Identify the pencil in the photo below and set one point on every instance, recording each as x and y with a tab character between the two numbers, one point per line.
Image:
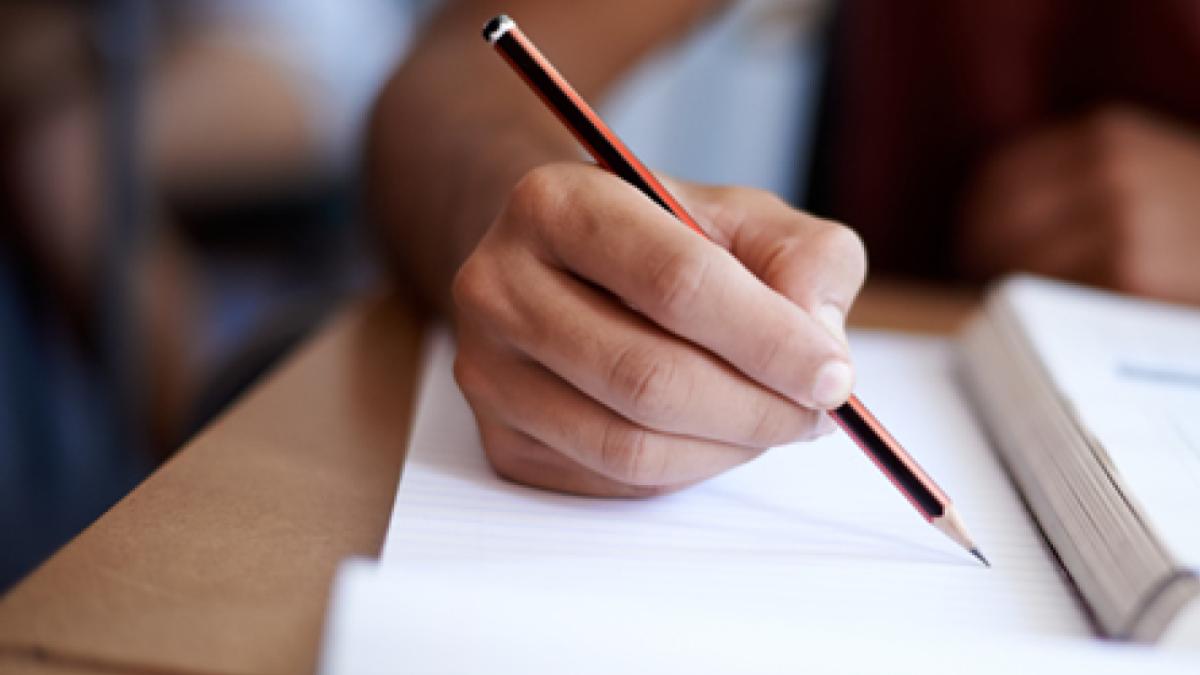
610	153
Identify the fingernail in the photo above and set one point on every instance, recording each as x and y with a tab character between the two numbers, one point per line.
832	385
825	425
831	317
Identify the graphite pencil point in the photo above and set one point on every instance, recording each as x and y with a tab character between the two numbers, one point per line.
975	552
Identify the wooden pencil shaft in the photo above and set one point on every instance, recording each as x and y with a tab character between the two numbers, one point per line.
891	458
601	143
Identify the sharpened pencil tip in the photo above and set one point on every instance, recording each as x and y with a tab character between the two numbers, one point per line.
975	552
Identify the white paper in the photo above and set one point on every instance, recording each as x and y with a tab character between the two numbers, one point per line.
809	535
388	620
1131	371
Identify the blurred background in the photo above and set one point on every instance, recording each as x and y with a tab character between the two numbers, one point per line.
177	207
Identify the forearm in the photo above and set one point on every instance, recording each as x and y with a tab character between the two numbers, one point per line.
258	129
454	130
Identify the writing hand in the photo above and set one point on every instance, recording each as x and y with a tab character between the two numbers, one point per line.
607	350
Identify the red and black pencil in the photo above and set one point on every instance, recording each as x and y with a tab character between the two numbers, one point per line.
610	153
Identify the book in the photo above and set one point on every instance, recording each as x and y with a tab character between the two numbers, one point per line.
796	556
1093	402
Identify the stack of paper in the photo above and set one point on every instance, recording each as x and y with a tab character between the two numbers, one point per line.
804	557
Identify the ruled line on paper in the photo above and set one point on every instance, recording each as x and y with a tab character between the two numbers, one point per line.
811	526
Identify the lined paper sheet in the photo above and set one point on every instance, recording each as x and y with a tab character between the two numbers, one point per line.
431	621
809	535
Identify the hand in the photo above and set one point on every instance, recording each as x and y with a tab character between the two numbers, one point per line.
1112	200
608	350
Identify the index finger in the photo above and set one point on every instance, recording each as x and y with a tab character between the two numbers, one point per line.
816	263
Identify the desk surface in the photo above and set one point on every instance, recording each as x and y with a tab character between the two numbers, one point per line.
221	561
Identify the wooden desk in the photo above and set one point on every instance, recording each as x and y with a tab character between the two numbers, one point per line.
221	561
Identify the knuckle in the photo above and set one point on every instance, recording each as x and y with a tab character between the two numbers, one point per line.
646	381
767	350
513	455
767	428
829	253
626	455
838	242
506	460
847	242
780	263
492	435
773	426
677	283
470	377
538	195
472	288
479	294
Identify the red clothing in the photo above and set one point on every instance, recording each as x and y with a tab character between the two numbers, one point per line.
922	90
